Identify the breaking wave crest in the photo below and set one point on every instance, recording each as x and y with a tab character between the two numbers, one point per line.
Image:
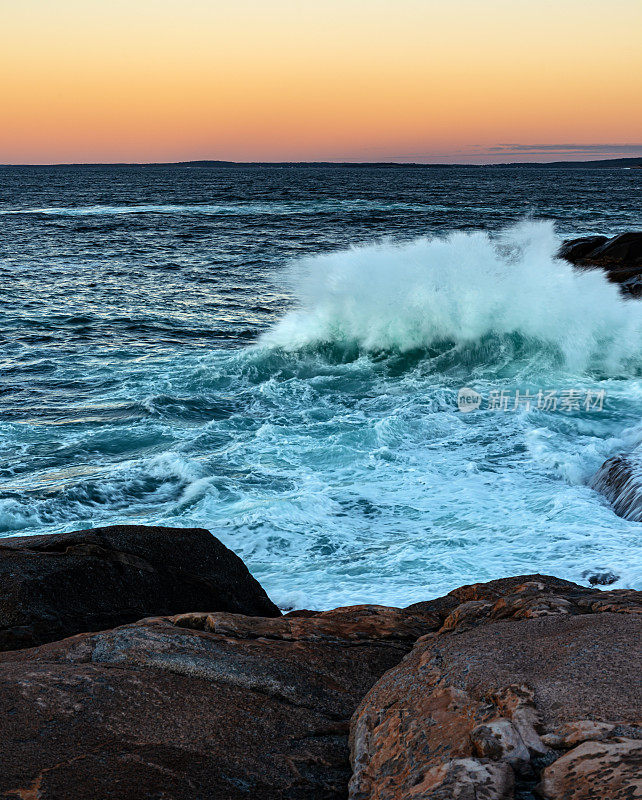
465	288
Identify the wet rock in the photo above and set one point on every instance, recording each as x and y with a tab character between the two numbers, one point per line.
600	578
519	672
199	706
619	479
620	257
632	286
619	253
55	586
574	250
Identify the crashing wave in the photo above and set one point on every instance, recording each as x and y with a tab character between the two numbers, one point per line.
462	288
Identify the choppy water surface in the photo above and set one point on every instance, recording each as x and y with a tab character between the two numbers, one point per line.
275	353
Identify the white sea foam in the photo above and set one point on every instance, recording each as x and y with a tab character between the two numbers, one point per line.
460	288
271	208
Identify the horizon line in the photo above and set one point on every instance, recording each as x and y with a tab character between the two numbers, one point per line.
343	162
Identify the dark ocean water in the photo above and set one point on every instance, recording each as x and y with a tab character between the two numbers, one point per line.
176	348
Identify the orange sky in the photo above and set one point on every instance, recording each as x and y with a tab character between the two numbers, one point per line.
367	80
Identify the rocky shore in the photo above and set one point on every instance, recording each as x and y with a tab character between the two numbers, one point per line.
179	679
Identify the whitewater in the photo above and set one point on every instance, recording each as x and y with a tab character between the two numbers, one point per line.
315	428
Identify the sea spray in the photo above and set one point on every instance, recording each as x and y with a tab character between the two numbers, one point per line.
460	288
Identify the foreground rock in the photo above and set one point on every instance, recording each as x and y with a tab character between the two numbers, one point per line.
525	688
55	586
620	257
217	706
515	684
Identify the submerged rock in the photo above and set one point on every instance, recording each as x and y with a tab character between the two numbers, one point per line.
55	586
600	578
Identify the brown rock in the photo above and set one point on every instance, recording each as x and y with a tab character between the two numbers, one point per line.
466	779
355	623
56	586
506	680
510	681
196	706
494	590
582	730
596	771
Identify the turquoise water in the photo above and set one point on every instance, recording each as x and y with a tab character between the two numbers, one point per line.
276	355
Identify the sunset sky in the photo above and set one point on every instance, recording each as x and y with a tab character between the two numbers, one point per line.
358	80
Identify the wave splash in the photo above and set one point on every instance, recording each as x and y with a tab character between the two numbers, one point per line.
462	289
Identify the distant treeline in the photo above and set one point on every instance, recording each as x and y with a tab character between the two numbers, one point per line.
604	163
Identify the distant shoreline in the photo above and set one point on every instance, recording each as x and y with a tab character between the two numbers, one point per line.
604	163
